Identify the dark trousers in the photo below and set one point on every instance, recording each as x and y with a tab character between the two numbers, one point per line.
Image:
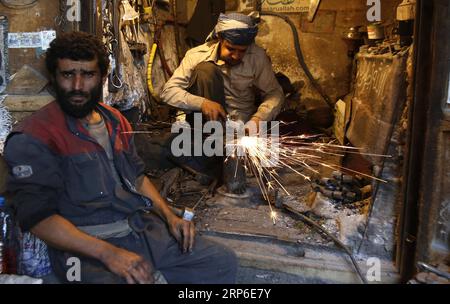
208	263
206	81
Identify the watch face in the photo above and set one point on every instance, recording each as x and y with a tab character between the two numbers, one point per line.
188	214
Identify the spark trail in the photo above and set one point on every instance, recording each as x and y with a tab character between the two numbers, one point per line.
264	158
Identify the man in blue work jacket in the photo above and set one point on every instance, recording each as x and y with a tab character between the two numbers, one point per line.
79	185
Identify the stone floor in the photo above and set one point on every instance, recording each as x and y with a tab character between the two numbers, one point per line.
285	250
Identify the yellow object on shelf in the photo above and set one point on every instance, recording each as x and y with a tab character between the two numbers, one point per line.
149	69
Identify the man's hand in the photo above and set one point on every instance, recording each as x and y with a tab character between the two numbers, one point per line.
58	232
183	231
128	265
213	110
252	126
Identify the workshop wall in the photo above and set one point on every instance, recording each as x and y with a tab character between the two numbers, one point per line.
39	17
323	48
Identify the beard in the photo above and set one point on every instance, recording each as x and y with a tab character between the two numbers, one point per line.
78	110
230	61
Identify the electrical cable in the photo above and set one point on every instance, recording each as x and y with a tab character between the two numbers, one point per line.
162	57
149	70
300	57
163	60
339	243
176	29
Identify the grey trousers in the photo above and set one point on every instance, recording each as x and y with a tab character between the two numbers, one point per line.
206	81
208	263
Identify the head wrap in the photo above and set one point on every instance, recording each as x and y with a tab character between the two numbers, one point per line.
236	28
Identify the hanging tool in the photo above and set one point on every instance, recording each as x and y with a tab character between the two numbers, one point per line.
115	82
130	24
147	11
313	8
130	17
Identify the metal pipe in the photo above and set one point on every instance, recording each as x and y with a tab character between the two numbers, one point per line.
339	243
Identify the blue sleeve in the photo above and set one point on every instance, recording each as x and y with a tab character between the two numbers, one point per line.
140	166
34	179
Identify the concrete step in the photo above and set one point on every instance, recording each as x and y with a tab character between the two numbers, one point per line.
266	260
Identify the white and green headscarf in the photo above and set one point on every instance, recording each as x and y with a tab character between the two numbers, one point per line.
236	28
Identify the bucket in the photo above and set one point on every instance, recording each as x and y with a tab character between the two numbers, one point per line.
375	31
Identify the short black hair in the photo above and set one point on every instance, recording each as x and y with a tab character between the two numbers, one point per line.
77	46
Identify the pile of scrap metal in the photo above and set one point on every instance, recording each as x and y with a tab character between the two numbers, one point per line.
184	189
343	189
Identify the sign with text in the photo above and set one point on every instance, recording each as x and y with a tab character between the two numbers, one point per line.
31	40
286	6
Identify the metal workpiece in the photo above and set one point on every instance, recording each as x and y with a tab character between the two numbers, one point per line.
425	267
234	175
342	187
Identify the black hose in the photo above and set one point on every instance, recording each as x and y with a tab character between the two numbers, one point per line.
300	58
339	243
176	30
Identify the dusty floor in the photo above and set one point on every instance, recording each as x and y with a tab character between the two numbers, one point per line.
231	217
251	215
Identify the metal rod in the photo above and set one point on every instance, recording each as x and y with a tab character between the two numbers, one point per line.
339	243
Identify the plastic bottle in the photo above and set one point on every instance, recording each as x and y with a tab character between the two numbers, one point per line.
8	241
34	260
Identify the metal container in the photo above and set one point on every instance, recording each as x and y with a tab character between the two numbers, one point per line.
375	31
353	33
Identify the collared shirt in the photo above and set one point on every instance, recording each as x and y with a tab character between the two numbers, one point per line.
240	81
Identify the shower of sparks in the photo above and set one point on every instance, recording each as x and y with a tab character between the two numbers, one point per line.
264	158
273	216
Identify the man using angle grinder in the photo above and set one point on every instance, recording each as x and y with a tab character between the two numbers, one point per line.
222	78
